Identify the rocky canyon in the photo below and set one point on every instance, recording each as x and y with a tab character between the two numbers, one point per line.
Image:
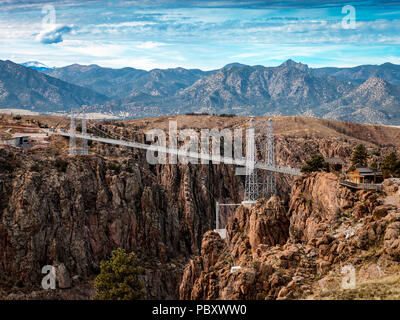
71	211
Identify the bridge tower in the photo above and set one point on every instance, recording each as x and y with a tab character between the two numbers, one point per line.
264	185
72	140
84	132
270	160
251	184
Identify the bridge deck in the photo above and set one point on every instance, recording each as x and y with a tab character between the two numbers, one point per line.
361	186
204	156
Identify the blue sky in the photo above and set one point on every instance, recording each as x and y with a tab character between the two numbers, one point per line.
198	34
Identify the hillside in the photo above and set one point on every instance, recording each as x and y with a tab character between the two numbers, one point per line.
374	101
388	71
25	88
306	250
120	83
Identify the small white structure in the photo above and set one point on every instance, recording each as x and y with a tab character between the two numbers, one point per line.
235	269
221	232
20	142
248	203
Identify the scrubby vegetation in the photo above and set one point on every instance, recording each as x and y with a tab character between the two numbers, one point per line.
61	165
360	156
316	163
391	165
119	278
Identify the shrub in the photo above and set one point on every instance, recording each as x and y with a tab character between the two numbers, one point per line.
374	166
391	165
114	167
316	163
119	278
227	115
61	165
197	114
360	156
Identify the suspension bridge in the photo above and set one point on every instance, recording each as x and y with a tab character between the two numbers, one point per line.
254	188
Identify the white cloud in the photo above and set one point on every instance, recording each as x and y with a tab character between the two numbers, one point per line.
150	45
246	55
93	49
54	34
125	24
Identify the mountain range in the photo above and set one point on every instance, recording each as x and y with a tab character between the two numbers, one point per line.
367	93
24	88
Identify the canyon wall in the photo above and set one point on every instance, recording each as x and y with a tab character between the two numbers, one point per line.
296	253
77	214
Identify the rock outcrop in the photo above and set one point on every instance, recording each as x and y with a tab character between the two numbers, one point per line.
297	252
72	216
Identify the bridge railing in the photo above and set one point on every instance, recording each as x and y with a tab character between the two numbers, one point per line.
212	157
361	186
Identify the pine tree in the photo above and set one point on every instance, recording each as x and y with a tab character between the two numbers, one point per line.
374	166
119	278
391	165
316	163
360	156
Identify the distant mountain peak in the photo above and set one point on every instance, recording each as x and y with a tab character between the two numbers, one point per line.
294	64
234	64
36	65
387	64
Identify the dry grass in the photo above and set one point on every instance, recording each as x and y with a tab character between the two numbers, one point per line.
384	285
385	288
286	126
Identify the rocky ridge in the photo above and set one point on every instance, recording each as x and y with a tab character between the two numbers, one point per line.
299	253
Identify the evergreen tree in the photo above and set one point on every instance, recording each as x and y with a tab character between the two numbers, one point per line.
391	165
360	156
119	278
374	166
316	163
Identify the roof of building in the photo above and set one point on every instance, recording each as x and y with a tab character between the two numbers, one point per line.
367	171
364	170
